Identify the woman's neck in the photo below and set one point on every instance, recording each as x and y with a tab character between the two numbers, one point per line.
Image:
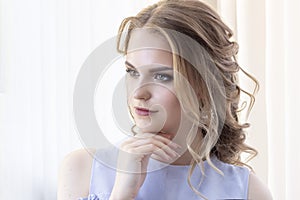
184	159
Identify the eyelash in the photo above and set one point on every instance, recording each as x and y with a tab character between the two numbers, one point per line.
131	71
164	77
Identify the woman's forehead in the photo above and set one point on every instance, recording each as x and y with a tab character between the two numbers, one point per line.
149	57
153	67
144	38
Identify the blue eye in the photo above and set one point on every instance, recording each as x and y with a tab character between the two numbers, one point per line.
163	77
132	72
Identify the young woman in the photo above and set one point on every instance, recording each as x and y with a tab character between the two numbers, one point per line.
183	95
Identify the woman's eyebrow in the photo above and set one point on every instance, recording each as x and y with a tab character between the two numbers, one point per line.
162	68
129	64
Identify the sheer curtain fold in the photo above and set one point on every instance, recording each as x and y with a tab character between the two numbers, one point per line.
276	108
268	33
249	32
43	44
283	31
292	96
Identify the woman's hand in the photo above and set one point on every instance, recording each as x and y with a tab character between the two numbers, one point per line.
133	160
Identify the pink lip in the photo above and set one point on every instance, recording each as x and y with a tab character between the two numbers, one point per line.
143	111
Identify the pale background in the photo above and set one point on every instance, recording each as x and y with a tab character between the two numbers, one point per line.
43	44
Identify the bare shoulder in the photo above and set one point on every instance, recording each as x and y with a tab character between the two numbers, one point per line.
74	174
257	189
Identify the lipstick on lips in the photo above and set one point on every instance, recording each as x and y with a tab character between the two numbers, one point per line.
143	111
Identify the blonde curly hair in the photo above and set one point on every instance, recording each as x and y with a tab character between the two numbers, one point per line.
203	54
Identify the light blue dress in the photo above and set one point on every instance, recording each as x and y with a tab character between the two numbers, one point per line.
169	182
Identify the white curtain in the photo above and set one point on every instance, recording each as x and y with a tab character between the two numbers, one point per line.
268	33
282	69
43	44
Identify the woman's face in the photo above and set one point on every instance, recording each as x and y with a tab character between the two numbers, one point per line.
150	92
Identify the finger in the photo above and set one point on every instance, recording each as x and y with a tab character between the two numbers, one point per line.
165	135
160	138
162	159
152	149
150	135
160	145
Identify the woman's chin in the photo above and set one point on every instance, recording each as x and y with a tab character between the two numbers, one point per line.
157	131
148	129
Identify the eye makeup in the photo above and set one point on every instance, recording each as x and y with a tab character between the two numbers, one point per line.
155	72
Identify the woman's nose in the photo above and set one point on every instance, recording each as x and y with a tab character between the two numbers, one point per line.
142	93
